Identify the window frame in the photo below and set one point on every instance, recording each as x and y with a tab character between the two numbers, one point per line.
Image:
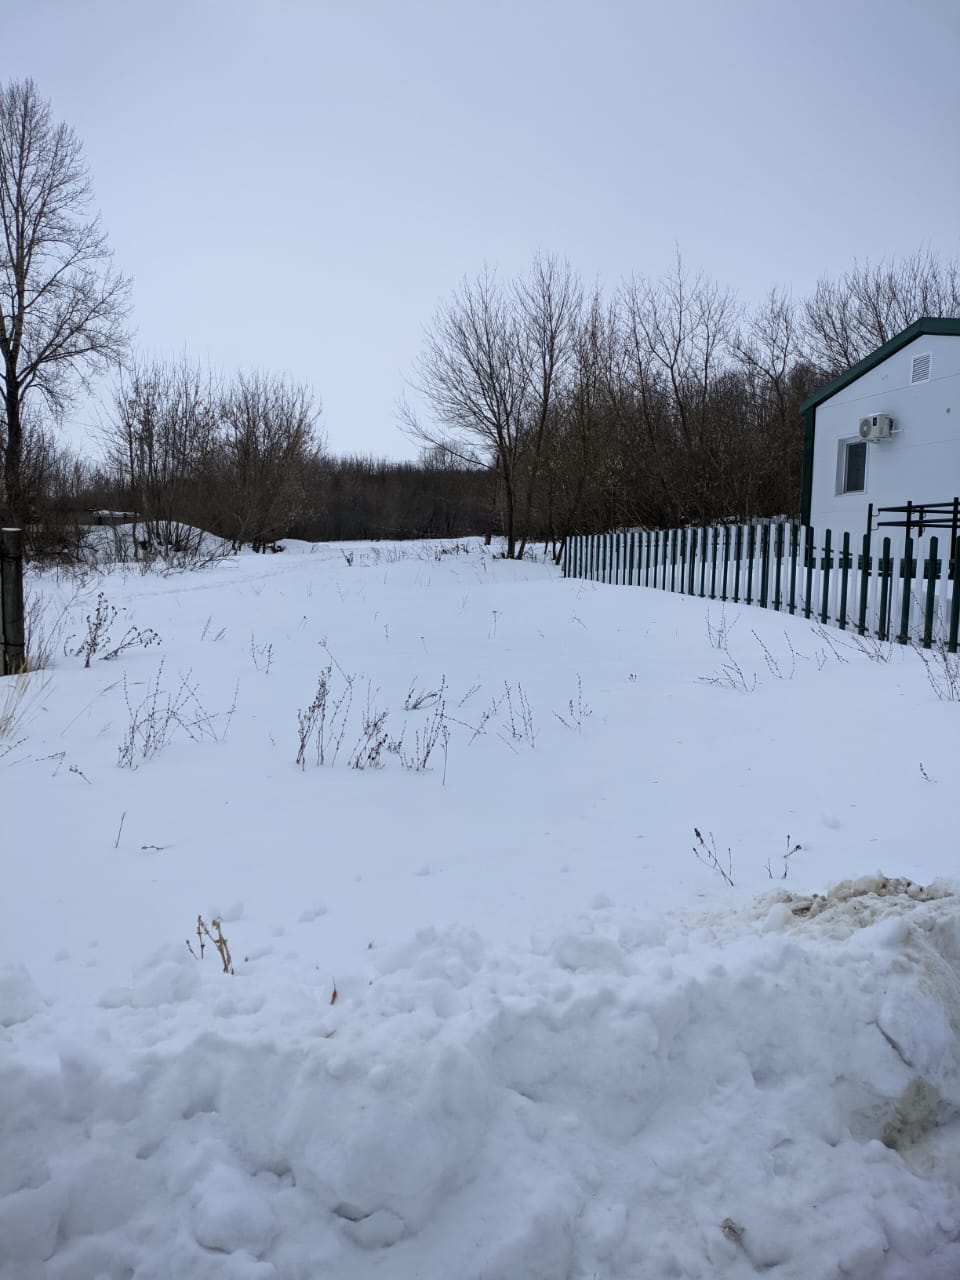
843	466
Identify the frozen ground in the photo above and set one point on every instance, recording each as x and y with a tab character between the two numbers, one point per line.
491	1018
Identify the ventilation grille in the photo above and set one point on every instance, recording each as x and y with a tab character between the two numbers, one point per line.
921	368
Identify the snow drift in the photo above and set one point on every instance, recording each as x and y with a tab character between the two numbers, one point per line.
773	1089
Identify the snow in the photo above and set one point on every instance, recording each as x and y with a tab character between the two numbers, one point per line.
492	1018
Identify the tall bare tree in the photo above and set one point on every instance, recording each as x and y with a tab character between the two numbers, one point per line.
491	370
473	373
62	308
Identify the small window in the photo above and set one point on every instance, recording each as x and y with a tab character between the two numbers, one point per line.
920	370
852	466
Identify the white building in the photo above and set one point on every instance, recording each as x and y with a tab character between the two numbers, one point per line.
885	433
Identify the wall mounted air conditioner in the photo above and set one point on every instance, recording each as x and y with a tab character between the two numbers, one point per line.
877	427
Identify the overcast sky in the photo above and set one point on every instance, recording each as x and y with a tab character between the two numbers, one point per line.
293	185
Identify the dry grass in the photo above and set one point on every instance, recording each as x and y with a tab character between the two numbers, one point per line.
19	696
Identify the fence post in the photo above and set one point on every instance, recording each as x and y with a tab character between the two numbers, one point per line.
886	574
931	572
764	564
845	563
906	573
705	534
954	577
778	566
751	558
827	564
809	555
794	553
13	652
865	567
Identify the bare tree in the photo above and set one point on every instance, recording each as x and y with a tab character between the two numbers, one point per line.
160	446
490	371
473	373
848	318
549	302
62	308
269	436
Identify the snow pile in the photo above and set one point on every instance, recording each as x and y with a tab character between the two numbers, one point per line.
772	1088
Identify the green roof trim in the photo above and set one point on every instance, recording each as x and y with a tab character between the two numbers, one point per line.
925	325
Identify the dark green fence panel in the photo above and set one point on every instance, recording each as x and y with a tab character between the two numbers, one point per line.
748	564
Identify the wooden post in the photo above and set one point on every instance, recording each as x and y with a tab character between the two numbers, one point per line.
13	653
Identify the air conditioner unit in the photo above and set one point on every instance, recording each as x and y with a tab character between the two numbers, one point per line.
877	427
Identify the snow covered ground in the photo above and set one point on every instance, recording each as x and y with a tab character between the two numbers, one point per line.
491	1016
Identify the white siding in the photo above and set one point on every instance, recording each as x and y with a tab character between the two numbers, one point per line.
921	463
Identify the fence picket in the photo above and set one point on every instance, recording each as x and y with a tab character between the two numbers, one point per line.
764	565
931	575
794	553
751	557
844	581
865	567
907	569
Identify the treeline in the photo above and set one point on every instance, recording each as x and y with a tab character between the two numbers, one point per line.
665	405
550	410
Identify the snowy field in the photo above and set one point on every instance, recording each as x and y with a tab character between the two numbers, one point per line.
497	1013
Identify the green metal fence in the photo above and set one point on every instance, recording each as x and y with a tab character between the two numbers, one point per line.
901	589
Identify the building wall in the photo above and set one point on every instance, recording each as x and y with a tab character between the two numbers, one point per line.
920	463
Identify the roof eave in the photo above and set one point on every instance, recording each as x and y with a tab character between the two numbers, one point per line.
925	325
